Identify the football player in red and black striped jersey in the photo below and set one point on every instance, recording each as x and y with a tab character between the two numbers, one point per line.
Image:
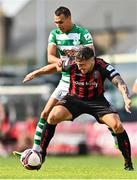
86	95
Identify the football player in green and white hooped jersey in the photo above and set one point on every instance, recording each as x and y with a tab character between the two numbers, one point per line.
67	43
65	40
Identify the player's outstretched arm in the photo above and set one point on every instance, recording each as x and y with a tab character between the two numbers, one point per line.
121	85
49	69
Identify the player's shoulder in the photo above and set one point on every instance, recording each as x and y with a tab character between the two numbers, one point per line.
55	31
81	29
101	62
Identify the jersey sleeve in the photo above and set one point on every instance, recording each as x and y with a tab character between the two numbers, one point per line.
86	37
111	72
52	38
108	70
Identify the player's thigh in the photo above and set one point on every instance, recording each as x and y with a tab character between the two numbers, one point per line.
58	114
113	121
48	107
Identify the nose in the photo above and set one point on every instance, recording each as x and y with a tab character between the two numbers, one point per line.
59	25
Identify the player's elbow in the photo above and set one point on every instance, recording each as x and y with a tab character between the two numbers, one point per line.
50	61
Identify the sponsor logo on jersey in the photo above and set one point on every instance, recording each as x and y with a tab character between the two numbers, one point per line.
86	83
88	36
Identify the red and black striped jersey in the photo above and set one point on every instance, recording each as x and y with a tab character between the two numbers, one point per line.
90	85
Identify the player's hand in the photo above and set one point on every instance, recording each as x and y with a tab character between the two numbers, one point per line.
59	63
29	77
128	104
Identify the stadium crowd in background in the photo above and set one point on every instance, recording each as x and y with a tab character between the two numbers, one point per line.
4	130
86	95
12	135
23	140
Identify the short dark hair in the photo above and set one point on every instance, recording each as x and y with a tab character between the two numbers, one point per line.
85	53
62	10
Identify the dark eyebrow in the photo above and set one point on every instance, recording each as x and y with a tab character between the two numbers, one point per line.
58	22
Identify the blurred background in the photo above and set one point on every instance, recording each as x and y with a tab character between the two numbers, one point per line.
24	30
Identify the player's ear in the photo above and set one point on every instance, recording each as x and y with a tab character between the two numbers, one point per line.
69	18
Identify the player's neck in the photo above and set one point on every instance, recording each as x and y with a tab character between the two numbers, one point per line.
70	27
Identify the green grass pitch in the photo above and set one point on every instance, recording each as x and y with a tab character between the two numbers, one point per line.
70	167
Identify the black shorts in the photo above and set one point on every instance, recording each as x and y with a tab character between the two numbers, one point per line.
97	107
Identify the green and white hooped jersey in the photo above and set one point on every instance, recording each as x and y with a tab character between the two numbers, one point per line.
71	41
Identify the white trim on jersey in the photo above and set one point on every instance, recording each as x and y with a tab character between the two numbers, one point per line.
91	44
52	43
76	48
70	36
113	73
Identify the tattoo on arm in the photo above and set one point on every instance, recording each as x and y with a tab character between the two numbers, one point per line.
121	85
